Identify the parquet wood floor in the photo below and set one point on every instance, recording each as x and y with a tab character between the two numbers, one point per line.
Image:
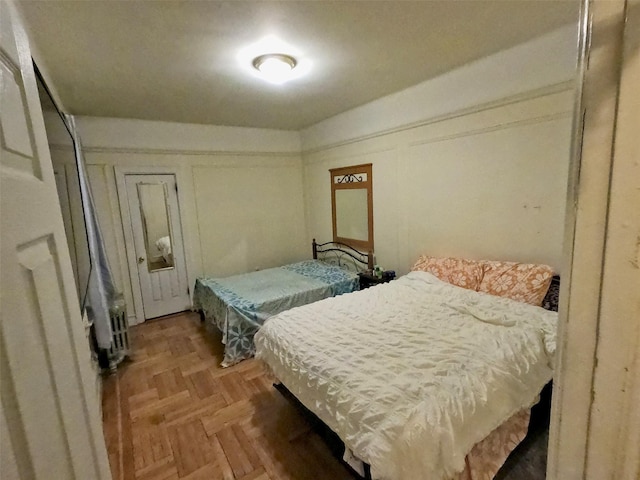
172	412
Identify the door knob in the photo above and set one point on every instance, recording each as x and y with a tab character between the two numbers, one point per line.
140	259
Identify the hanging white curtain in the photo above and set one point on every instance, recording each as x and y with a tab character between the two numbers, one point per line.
101	291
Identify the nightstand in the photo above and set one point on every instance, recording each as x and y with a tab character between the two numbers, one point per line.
367	279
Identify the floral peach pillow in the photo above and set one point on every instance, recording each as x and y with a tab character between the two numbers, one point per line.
457	271
526	283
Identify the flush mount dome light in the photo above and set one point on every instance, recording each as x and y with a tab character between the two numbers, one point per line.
275	67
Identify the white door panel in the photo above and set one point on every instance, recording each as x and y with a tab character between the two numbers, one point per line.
50	414
163	285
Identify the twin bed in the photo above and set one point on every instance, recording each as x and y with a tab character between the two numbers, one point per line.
421	378
240	304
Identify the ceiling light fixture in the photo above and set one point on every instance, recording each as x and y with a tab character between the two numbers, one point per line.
275	67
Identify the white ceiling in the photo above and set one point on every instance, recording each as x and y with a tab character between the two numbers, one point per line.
177	60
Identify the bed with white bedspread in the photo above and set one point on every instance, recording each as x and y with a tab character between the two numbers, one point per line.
412	374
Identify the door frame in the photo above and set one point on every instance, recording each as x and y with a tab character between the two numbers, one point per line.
595	415
125	216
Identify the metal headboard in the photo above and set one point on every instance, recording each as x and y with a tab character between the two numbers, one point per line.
342	255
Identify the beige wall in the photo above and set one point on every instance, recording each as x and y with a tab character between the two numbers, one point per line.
481	179
481	174
241	188
250	216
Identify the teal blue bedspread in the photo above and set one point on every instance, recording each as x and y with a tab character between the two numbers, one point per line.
240	304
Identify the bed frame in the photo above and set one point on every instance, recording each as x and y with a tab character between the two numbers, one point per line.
240	315
342	255
339	254
540	412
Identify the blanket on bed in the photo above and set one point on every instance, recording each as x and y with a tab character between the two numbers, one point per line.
239	304
411	374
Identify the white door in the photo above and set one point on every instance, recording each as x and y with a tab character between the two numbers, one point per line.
158	243
50	425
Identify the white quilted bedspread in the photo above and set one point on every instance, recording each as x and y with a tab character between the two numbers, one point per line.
411	374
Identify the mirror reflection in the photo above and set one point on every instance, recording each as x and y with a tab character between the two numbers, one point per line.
155	225
351	214
352	206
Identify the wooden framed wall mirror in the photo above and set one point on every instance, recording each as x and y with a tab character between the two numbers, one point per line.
352	206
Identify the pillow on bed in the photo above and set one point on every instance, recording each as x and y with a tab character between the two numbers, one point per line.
457	271
524	282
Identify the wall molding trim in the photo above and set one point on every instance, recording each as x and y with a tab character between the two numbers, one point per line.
186	152
354	159
494	128
482	107
548	90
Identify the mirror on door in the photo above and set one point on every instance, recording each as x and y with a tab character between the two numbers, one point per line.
154	212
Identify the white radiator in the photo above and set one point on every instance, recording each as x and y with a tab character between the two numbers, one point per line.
120	345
